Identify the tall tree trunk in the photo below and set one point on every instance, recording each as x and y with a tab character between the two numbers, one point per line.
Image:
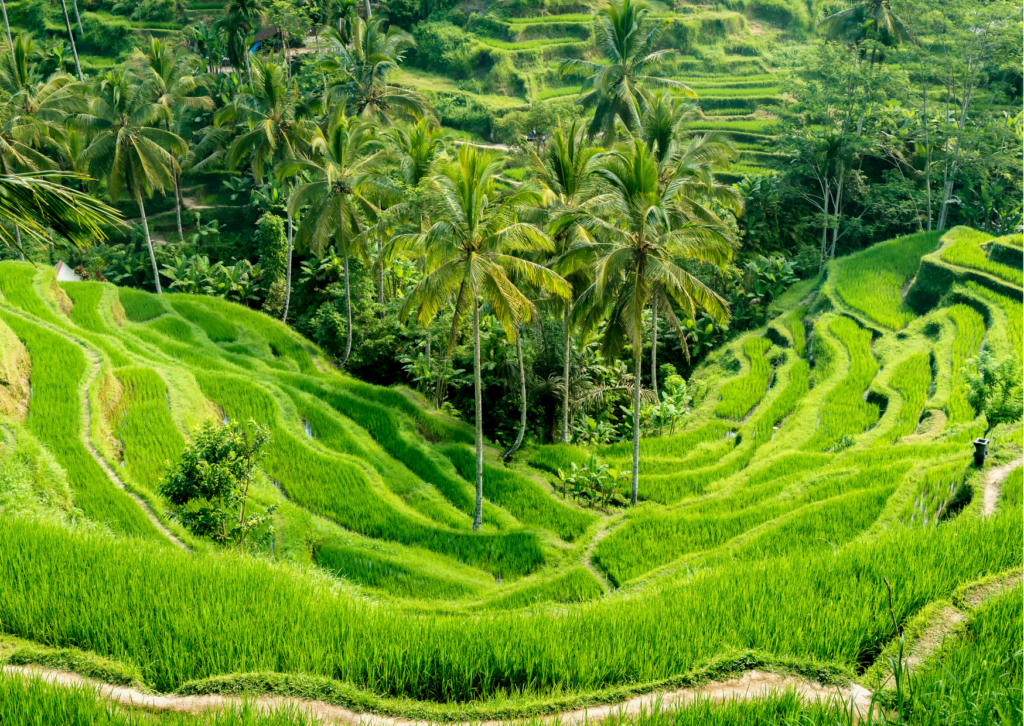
522	397
17	238
380	275
288	274
149	240
837	206
927	144
348	312
654	344
177	205
74	51
78	19
7	25
824	229
565	375
636	423
478	514
366	3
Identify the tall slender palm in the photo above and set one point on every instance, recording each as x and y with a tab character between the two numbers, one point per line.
240	18
415	149
471	257
29	96
365	66
346	161
871	18
71	38
173	82
618	89
688	163
127	149
641	253
274	128
7	25
566	170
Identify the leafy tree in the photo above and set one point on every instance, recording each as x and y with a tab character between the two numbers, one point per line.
470	251
364	67
209	485
273	249
618	89
567	171
126	148
995	388
345	164
870	19
641	255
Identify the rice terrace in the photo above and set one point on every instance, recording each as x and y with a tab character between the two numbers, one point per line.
511	361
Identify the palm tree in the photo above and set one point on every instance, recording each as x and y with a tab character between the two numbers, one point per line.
641	254
566	171
470	252
172	79
274	128
126	148
871	18
7	26
346	159
30	97
71	37
365	65
689	165
36	201
618	89
239	19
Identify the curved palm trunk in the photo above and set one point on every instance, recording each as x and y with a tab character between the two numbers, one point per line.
7	25
565	377
74	51
636	425
78	18
380	276
367	4
288	274
149	240
654	361
177	206
522	399
478	514
348	313
17	238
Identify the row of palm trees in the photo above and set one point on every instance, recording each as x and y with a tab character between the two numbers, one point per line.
603	234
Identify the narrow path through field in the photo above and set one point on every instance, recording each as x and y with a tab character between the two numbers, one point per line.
114	479
749	686
994	479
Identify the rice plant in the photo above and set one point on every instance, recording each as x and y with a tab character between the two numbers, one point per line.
1013	309
140	306
912	378
742	394
216	328
384	573
970	332
173	327
845	411
55	418
574	586
965	251
872	282
940	490
794	321
147	436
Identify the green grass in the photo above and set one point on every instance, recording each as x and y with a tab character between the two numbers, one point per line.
140	306
1012	308
932	495
575	586
965	251
970	331
794	321
872	281
845	412
1012	492
742	394
381	572
216	328
173	327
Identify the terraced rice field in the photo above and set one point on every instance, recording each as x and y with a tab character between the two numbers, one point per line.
769	521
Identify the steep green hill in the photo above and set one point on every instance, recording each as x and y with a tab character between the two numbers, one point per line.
826	454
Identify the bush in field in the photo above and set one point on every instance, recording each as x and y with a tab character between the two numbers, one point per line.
273	260
210	484
994	388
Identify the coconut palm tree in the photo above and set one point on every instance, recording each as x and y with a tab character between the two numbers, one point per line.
275	127
869	19
641	252
365	65
174	82
28	96
38	202
127	148
346	160
688	163
566	170
618	89
471	253
7	26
